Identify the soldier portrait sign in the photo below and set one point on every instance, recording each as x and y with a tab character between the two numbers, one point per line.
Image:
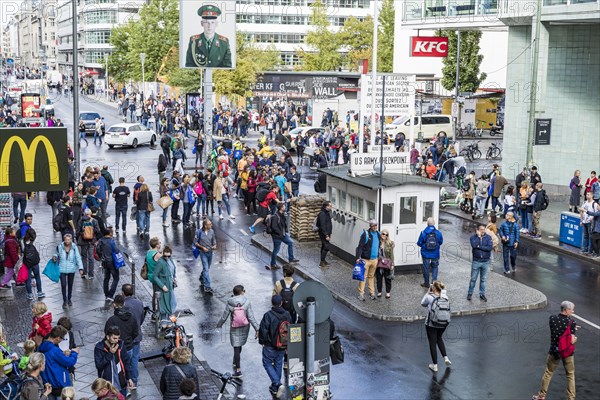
207	34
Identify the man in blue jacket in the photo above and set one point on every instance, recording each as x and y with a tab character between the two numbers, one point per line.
430	242
368	251
481	245
509	234
112	360
57	362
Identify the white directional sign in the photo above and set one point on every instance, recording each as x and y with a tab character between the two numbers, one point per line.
399	93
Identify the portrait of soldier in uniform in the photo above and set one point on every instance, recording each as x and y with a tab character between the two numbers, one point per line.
208	49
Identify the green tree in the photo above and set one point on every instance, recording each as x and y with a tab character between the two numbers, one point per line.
470	76
118	62
322	44
385	37
357	39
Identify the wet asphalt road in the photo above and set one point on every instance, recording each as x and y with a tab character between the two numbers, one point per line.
499	356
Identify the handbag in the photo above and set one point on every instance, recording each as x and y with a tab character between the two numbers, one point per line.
52	271
133	214
150	207
195	249
23	274
336	351
117	257
358	273
383	262
165	202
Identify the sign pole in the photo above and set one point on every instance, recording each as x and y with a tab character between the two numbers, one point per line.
76	148
535	58
374	71
310	346
208	107
362	113
381	142
457	84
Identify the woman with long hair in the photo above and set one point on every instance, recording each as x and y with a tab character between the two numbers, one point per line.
386	251
435	331
144	199
252	184
69	260
163	191
105	390
34	388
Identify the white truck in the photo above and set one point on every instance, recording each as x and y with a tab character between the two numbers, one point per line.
54	79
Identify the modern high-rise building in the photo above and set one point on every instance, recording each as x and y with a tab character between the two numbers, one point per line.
96	19
285	23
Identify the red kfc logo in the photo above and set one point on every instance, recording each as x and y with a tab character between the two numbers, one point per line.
425	46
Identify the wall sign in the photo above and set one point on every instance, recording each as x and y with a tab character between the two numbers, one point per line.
543	127
427	46
399	93
393	162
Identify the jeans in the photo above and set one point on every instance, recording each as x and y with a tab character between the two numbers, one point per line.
495	203
524	219
97	136
277	245
187	212
227	206
22	202
121	212
206	259
201	204
480	205
506	251
586	242
110	271
35	270
164	214
175	210
435	338
82	137
143	220
430	265
272	360
333	155
477	268
66	285
551	364
87	258
134	355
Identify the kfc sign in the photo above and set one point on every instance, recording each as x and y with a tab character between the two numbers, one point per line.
425	46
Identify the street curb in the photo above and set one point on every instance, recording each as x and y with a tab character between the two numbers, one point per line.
383	317
528	240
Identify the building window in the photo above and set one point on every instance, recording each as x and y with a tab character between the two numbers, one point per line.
427	210
333	196
370	210
356	206
387	215
408	210
97	37
342	201
100	17
95	57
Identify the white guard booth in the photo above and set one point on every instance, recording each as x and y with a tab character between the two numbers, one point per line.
401	202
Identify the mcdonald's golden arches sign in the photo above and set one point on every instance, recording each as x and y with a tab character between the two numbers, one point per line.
33	159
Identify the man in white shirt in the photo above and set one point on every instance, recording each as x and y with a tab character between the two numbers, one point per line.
586	223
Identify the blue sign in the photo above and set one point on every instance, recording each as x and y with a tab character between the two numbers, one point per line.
10	61
570	230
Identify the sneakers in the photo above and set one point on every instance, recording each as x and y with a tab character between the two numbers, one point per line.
221	216
90	277
425	285
373	297
30	296
251	229
84	276
323	264
208	290
379	294
361	297
538	397
70	303
41	294
64	306
447	361
166	224
237	374
387	295
117	231
433	367
280	391
294	261
231	216
109	299
482	297
469	296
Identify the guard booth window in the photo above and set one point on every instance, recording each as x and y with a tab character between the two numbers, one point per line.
333	196
387	214
370	210
427	210
408	210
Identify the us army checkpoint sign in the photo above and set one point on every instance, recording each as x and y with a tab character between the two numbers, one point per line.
33	159
207	34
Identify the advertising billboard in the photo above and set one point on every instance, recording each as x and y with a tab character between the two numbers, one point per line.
207	34
29	103
428	46
33	159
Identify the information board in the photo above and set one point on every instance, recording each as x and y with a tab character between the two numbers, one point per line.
399	94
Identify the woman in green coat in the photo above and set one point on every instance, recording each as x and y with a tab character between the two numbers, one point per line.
164	279
383	274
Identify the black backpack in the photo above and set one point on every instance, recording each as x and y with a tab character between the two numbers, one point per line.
431	241
261	195
269	224
58	222
545	200
287	294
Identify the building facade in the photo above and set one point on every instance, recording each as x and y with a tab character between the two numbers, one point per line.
285	23
566	83
96	19
32	34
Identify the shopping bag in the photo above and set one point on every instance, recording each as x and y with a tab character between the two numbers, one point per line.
23	274
133	215
195	251
358	273
117	257
52	271
165	202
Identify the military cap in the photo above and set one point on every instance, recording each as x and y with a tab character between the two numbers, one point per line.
209	12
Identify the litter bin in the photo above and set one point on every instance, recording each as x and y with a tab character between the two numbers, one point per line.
570	229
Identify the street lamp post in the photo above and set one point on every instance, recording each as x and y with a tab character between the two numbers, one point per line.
106	75
143	60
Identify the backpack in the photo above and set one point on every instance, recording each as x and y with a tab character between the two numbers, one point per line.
31	257
572	185
238	317
545	200
268	224
58	222
198	188
12	387
282	335
439	315
87	230
144	271
431	241
287	294
315	224
224	168
98	254
566	348
262	195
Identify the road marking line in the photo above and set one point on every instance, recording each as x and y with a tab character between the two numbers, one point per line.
586	321
243	232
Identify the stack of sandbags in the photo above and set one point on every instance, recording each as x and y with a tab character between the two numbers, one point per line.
303	210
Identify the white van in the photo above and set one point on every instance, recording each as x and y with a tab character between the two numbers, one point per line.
430	125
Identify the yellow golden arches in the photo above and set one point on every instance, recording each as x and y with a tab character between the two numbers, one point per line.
28	154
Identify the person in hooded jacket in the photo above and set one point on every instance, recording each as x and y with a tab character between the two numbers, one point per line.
136	306
430	252
325	229
435	332
174	373
238	334
31	260
272	356
58	363
125	321
86	246
112	360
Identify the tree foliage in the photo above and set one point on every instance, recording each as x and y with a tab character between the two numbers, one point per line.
470	76
357	39
118	61
322	43
385	38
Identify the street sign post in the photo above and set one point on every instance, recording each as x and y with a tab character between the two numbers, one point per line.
543	128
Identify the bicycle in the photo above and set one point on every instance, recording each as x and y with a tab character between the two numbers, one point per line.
226	378
471	152
175	335
493	152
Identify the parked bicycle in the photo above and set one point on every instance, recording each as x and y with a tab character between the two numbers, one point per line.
471	152
493	152
225	378
175	335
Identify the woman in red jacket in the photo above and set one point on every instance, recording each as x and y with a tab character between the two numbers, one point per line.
11	256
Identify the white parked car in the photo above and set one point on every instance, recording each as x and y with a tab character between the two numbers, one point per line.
305	131
129	135
430	125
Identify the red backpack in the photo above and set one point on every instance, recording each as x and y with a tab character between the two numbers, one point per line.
283	334
566	348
